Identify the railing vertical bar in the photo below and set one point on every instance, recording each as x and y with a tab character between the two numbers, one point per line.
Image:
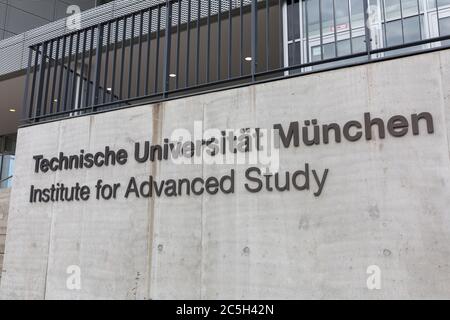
321	28
75	68
208	43
197	58
47	81
230	37
254	38
188	43
167	50
267	34
241	46
33	86
61	75
141	31
105	76
98	65
88	80
122	63
291	32
55	75
420	20
114	64
350	25
335	29
149	47
130	66
158	44
178	45
308	58
219	39
280	33
83	58
402	21
41	80
25	105
69	63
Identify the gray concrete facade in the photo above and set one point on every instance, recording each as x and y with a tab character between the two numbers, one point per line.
386	202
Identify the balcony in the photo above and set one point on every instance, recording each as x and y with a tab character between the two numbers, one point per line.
184	47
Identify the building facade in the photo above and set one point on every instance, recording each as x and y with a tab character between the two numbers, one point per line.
19	16
245	149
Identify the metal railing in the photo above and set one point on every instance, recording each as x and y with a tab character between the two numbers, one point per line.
182	47
4	184
6	179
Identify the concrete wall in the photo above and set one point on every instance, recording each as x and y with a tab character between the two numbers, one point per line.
4	207
386	202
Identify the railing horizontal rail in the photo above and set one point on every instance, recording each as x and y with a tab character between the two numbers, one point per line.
183	47
6	179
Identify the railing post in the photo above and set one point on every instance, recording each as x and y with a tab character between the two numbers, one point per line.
254	21
368	35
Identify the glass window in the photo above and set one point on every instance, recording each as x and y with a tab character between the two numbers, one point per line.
444	25
293	19
294	53
344	47
342	13
316	53
6	170
392	9
404	22
8	144
443	3
394	34
7	150
432	3
357	9
359	44
409	7
411	29
329	51
327	16
313	18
